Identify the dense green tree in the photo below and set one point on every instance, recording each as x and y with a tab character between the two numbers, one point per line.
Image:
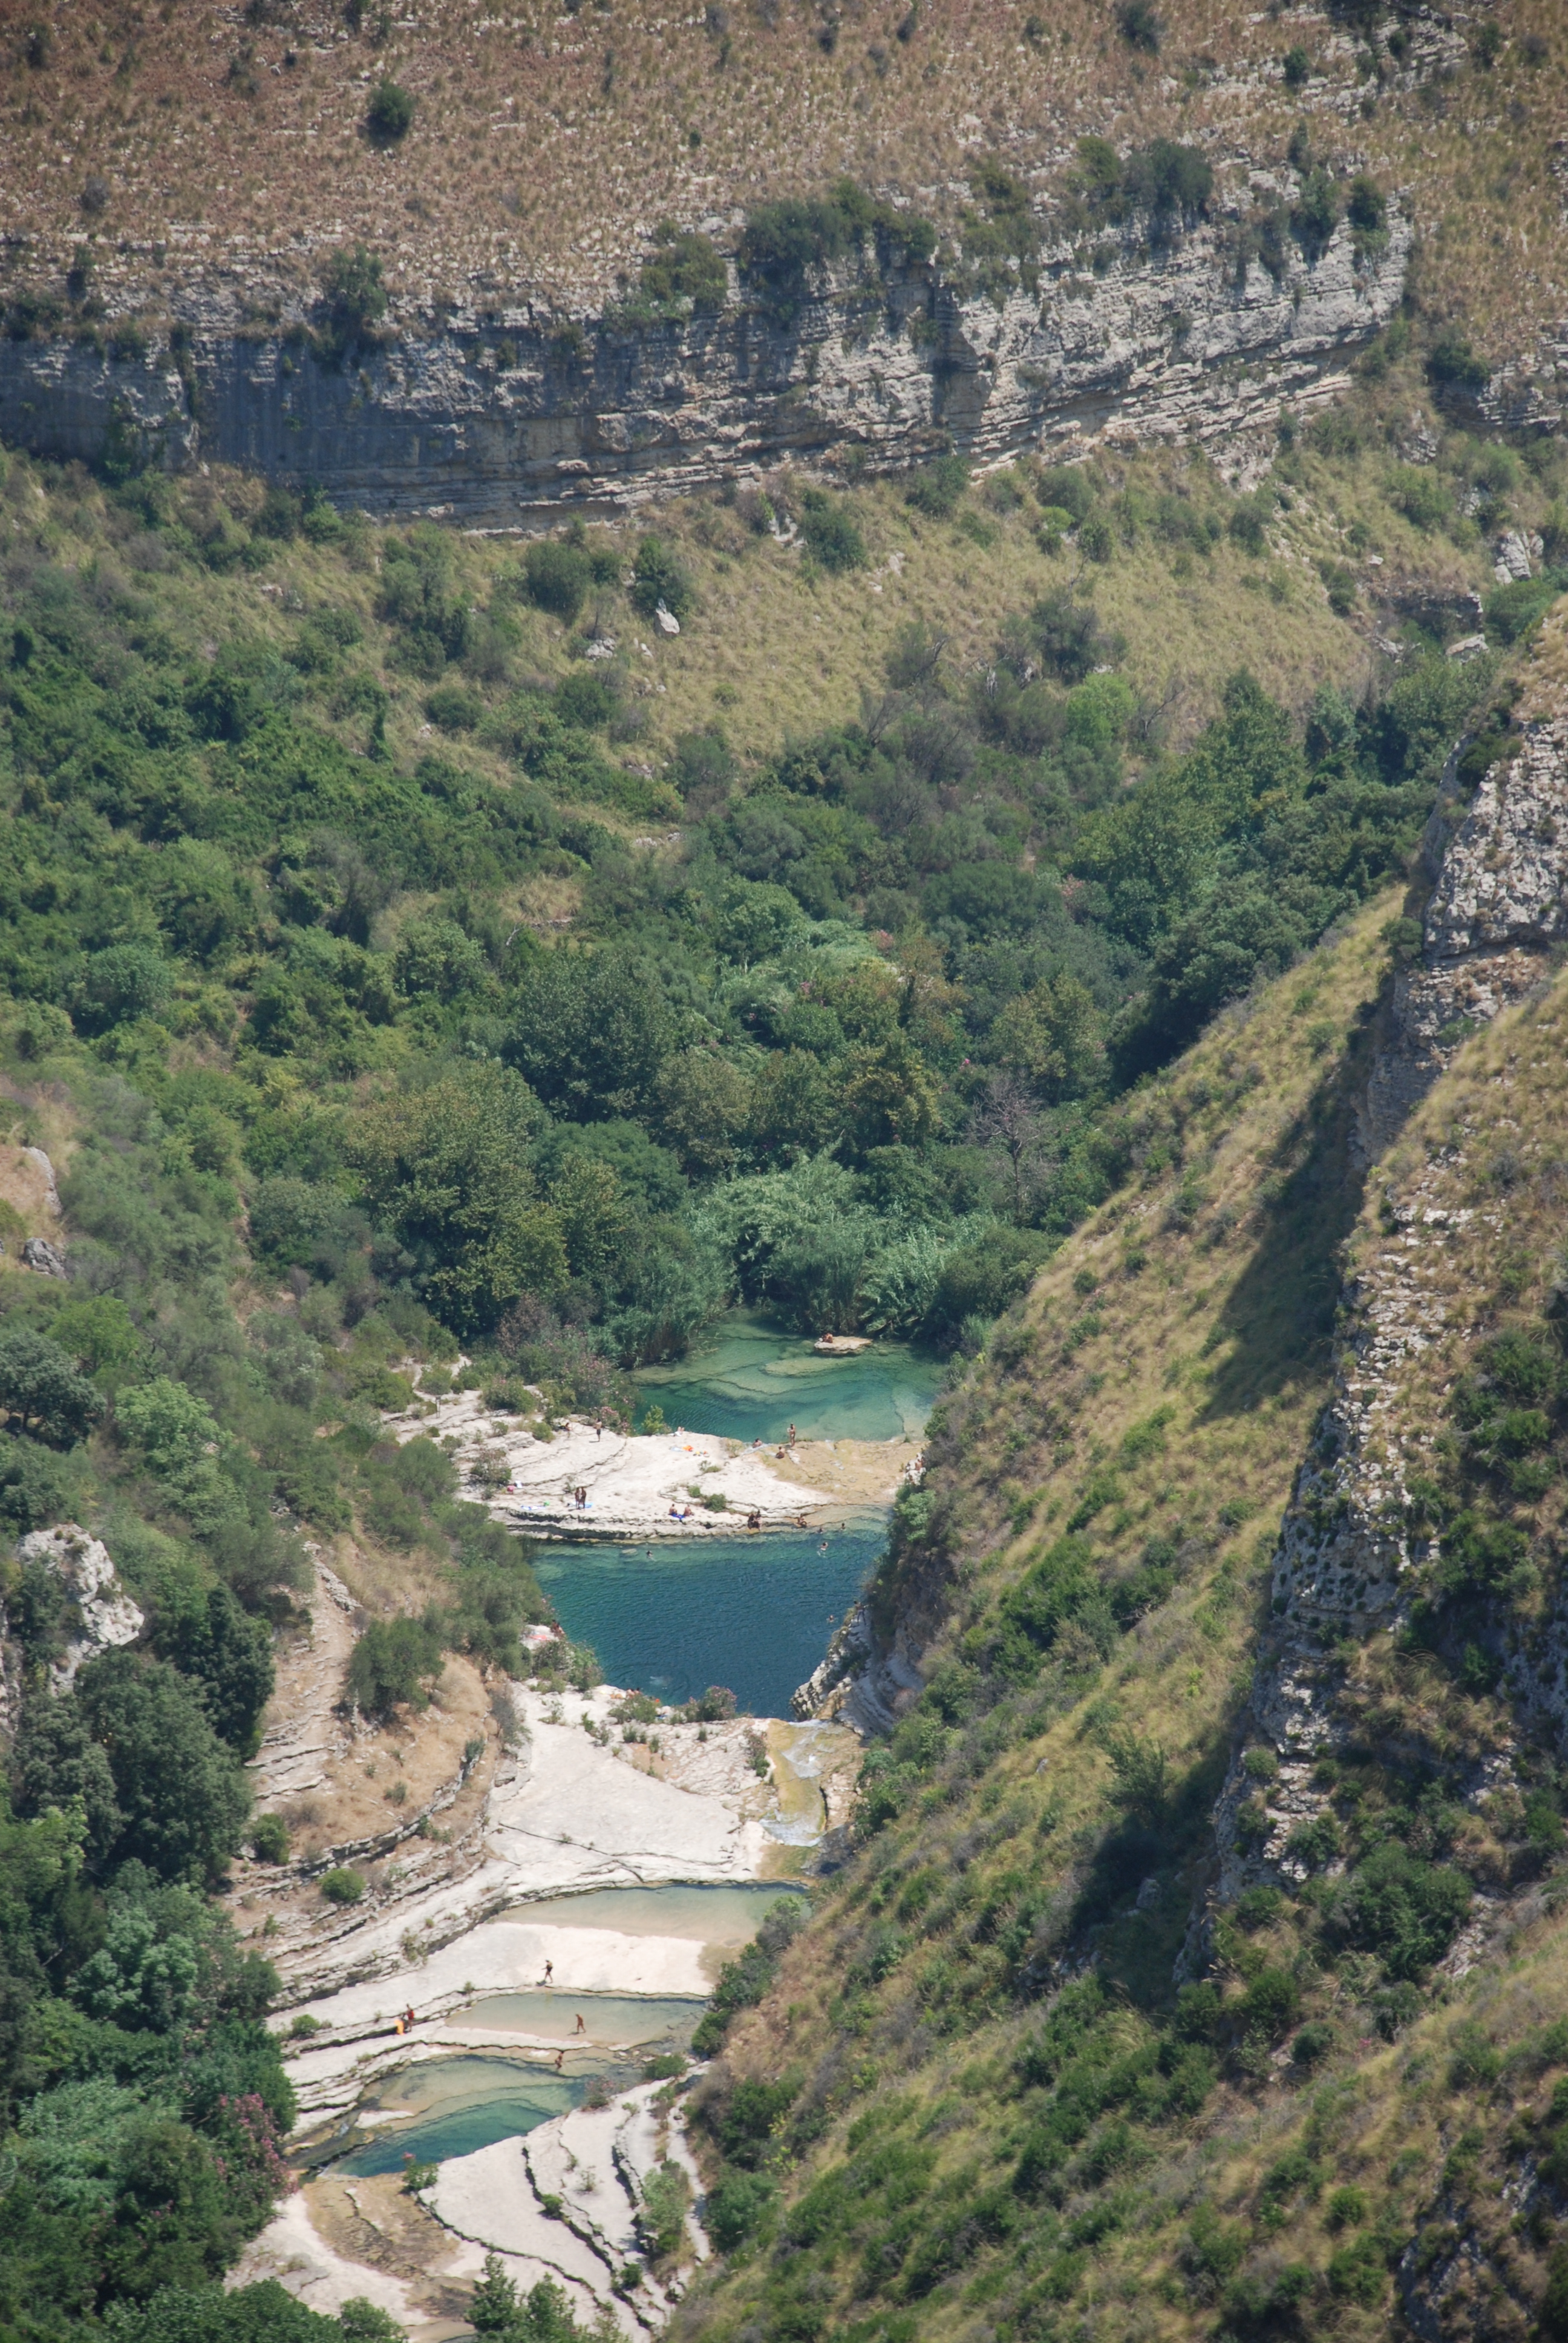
181	1789
394	1663
42	1391
593	1033
57	1766
445	1165
230	1657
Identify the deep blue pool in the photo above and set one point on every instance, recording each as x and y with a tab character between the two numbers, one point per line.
752	1612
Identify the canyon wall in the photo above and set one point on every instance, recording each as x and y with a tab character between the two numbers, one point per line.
504	418
1353	1554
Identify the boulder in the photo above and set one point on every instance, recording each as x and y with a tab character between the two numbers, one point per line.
1511	564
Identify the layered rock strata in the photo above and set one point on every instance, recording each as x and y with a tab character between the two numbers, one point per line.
496	418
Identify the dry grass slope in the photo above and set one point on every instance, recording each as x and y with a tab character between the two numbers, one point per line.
1161	1381
199	140
1164	1378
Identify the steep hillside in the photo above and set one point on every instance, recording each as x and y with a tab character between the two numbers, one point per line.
1197	1957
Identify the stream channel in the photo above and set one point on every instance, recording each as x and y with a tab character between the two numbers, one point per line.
752	1614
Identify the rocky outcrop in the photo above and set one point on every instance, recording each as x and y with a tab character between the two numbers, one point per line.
106	1615
848	1650
501	417
1345	1553
861	1683
1500	904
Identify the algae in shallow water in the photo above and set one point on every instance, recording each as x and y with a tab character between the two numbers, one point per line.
750	1379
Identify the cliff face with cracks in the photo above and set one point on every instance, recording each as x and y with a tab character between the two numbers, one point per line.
1500	902
499	418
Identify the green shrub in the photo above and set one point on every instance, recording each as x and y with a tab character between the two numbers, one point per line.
685	271
353	291
42	1391
555	579
1514	612
1420	496
1258	1908
1406	1911
454	708
389	116
1054	524
1341	585
1140	26
1296	66
1315	214
393	1665
343	1885
37	1488
738	2206
1271	2004
1313	2044
269	1839
936	490
587	697
1358	2273
658	575
831	533
1452	365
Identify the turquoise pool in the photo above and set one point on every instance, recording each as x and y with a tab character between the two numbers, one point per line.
749	1378
458	2105
752	1612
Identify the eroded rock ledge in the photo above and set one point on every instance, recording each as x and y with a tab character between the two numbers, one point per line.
501	418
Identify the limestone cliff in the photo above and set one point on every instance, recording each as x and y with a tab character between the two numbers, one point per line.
1500	902
1357	1544
497	418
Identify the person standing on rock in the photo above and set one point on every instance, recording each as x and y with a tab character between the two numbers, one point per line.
549	1973
581	2024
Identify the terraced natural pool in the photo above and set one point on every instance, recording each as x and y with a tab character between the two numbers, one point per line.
451	2106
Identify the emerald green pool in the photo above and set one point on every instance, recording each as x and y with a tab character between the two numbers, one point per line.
749	1378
